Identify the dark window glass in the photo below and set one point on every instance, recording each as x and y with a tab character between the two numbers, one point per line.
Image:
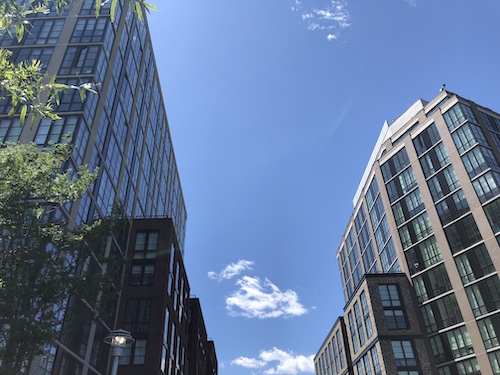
403	353
432	283
462	234
372	193
474	264
360	219
457	114
146	244
434	160
376	212
467	136
465	367
452	207
443	183
423	255
493	123
408	207
490	330
395	165
487	186
366	315
90	30
415	230
10	130
492	211
388	257
484	296
427	139
354	333
452	344
441	313
401	185
134	354
478	160
137	315
80	60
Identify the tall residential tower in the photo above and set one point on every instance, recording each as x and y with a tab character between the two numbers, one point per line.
420	256
122	130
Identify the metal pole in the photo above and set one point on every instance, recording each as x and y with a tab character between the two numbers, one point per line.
114	369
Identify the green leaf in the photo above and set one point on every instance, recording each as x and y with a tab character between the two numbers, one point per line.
112	11
24	110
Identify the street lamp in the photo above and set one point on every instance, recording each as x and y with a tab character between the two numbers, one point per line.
118	339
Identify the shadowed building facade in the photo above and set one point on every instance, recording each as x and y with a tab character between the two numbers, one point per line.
427	210
123	131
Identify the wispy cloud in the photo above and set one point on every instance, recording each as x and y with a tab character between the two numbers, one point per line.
288	363
231	270
261	299
332	17
412	3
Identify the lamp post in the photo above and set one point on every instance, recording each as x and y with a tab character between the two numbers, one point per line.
118	339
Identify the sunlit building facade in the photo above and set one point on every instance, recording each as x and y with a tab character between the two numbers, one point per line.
123	131
428	208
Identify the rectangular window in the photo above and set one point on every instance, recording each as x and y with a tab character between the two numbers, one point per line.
401	185
474	264
403	353
146	244
487	186
375	361
415	230
467	136
462	234
441	313
490	330
494	358
434	160
359	324
408	207
393	311
457	114
432	283
423	255
372	193
89	30
137	315
443	183
478	160
142	274
492	211
484	296
452	207
354	334
366	315
395	165
427	139
10	130
134	354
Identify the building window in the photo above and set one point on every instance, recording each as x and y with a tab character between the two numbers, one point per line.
474	263
441	313
137	315
372	193
395	165
366	315
393	310
484	296
492	211
401	185
452	207
457	114
495	362
142	274
146	244
134	354
408	207
403	353
427	139
423	255
478	160
10	130
462	234
490	330
487	186
89	30
443	183
434	160
451	345
359	324
44	32
467	367
415	230
467	136
354	333
375	361
432	283
80	60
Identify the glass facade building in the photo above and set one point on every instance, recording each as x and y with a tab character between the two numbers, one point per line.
428	207
123	131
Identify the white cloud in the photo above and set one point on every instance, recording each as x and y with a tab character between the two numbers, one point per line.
334	16
231	270
288	363
412	3
262	299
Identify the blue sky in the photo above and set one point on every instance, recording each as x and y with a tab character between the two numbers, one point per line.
274	108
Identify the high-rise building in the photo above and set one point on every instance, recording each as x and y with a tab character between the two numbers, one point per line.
420	256
122	130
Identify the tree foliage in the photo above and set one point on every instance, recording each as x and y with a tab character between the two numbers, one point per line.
41	256
25	84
